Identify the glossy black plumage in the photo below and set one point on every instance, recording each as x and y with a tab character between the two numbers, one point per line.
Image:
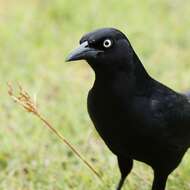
137	117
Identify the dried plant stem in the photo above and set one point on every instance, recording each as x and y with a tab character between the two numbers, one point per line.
26	102
69	145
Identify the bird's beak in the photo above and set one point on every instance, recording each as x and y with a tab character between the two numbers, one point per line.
83	52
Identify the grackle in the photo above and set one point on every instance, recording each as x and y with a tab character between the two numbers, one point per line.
137	117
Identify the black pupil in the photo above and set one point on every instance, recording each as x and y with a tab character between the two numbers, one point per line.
107	43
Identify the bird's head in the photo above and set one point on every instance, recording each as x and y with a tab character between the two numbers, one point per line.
104	48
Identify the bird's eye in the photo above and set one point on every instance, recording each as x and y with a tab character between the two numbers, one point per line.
107	43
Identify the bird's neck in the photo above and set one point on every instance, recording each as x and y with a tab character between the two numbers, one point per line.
131	75
141	75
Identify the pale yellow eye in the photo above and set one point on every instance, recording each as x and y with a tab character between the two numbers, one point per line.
107	43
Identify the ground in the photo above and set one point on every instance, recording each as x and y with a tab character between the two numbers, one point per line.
35	37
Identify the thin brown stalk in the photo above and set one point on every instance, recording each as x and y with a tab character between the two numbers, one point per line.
28	104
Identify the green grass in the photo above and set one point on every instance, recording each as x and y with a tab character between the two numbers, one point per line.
35	37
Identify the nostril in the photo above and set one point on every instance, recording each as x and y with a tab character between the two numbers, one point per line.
84	44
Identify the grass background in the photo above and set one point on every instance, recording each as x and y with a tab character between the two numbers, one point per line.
35	37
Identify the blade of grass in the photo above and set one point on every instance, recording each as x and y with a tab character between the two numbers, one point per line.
25	100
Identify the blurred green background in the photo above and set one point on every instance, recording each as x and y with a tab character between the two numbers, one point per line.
35	37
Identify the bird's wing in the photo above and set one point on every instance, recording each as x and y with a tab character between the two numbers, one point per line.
165	115
171	114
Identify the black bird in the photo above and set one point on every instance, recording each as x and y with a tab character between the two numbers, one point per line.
137	117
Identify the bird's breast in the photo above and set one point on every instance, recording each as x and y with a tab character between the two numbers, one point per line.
112	120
